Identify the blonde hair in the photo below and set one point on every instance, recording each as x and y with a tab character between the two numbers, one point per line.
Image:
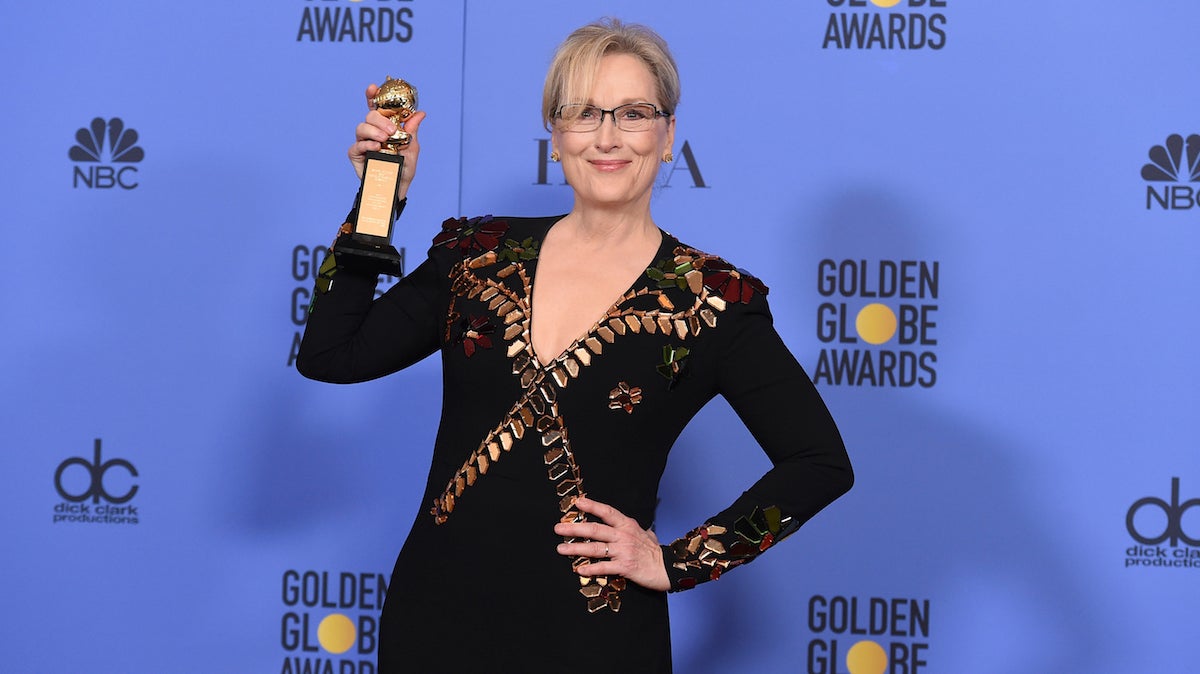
573	69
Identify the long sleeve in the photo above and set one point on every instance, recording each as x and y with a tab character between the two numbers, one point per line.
774	397
352	337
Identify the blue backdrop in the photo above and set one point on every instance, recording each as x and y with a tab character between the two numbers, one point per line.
979	221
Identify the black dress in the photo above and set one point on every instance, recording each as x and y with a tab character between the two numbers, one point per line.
478	586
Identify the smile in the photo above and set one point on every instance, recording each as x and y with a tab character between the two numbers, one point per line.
609	164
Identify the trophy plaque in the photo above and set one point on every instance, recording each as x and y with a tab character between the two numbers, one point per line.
369	245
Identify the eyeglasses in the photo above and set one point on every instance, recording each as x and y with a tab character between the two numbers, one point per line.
581	117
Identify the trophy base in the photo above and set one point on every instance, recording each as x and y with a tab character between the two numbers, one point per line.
375	208
369	247
368	257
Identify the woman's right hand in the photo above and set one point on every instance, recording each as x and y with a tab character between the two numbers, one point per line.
372	131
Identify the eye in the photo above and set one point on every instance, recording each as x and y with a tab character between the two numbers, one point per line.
589	112
637	112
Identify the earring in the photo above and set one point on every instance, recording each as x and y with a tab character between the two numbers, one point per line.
554	156
668	157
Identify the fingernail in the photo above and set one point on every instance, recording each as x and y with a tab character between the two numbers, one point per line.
562	547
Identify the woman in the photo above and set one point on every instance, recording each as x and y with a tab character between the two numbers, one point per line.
575	349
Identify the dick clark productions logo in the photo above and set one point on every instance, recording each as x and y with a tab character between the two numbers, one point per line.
1142	521
78	480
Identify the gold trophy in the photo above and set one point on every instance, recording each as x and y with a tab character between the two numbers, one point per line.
370	243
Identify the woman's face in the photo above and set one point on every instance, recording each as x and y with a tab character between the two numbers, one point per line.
608	167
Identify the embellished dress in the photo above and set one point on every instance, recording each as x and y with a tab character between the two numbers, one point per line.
478	585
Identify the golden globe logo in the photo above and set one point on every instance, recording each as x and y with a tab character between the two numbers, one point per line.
909	25
331	614
888	303
871	635
355	21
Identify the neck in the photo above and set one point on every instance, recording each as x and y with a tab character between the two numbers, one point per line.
606	226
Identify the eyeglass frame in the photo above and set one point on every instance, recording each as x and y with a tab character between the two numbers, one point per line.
613	113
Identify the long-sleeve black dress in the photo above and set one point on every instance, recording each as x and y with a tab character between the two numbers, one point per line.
478	585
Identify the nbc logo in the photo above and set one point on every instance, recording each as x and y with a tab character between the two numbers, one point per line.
1177	161
109	140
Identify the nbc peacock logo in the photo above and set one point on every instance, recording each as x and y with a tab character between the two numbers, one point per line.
105	152
1172	166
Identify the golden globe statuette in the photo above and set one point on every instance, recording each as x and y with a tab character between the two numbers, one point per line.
369	246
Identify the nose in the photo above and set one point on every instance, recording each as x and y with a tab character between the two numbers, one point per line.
608	135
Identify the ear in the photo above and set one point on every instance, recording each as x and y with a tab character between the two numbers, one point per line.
670	133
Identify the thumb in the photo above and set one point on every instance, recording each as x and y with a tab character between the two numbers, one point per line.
413	123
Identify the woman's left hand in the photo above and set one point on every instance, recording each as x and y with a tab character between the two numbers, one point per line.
621	546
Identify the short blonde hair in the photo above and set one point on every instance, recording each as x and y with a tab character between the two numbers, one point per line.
573	70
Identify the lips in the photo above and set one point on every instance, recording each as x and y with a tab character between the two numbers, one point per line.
609	164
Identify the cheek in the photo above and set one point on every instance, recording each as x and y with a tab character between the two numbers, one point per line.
570	149
654	148
658	143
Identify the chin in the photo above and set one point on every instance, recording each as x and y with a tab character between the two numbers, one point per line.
611	195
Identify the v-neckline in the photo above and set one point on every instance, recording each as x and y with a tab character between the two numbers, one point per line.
664	242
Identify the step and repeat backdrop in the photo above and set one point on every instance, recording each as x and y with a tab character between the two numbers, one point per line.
980	222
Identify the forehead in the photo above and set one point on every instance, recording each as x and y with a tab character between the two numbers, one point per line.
623	78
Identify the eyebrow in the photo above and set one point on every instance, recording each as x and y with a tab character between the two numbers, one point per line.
591	101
